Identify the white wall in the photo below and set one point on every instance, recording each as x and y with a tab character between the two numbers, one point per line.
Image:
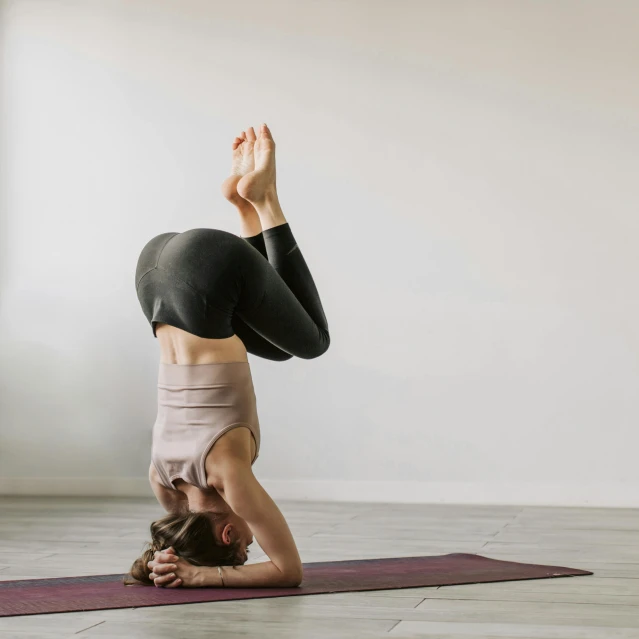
461	177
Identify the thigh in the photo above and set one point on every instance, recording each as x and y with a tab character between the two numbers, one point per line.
279	317
255	343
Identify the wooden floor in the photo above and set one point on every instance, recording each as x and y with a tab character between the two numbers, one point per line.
51	537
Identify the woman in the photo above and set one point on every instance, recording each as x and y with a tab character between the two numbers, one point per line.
211	296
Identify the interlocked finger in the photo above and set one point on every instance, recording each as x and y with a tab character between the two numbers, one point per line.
162	580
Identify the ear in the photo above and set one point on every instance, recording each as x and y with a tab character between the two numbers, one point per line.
227	535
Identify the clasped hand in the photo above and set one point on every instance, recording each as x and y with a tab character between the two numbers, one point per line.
170	571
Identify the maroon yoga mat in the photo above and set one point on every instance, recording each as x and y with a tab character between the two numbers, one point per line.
100	592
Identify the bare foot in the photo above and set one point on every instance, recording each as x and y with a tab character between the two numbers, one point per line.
242	163
258	184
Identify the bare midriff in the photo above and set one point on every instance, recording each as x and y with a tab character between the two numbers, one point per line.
179	347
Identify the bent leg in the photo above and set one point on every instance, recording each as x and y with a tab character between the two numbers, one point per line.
279	313
253	341
288	313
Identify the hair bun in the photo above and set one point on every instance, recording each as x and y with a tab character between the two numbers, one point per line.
140	570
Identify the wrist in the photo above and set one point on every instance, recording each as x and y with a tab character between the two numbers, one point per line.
209	576
203	577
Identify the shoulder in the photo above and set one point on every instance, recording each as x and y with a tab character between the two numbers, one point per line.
228	470
230	457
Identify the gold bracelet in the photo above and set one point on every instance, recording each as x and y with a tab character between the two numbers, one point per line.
219	569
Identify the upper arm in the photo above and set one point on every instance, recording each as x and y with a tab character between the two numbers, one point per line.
172	501
248	499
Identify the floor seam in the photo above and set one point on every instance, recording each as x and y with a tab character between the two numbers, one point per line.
89	627
394	626
534	601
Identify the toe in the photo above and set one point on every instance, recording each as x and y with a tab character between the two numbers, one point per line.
265	132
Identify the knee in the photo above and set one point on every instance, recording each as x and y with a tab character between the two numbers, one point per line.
320	348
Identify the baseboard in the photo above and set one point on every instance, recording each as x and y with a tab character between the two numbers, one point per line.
75	486
604	495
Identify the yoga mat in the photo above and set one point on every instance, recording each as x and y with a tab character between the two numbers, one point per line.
101	592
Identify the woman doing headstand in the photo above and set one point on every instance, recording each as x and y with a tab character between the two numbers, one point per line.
211	297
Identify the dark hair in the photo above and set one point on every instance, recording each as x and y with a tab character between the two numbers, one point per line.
192	536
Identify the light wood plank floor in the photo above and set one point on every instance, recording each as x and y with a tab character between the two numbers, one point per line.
55	537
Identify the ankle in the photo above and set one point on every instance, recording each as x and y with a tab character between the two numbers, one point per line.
267	200
245	208
270	214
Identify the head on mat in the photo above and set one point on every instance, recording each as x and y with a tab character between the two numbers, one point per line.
212	297
201	538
